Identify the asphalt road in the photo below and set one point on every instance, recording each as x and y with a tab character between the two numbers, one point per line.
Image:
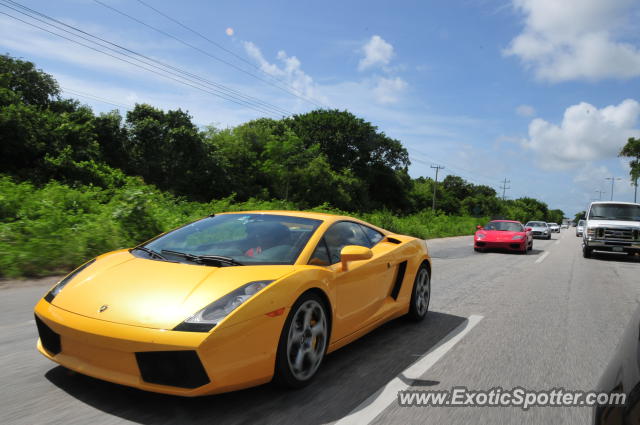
549	319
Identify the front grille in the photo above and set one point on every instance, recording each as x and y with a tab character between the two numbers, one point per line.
537	233
616	234
49	339
515	245
480	243
174	368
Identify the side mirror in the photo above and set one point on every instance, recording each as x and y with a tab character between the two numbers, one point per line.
479	227
354	253
529	229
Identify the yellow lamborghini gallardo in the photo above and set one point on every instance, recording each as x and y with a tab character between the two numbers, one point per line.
231	301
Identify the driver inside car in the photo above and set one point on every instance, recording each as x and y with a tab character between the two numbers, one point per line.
266	235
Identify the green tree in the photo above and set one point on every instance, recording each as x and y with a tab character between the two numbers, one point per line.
632	150
167	150
351	143
31	85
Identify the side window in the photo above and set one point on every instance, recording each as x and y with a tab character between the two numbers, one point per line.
320	256
342	234
373	235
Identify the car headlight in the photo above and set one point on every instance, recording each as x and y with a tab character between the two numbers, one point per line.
517	237
480	235
208	317
56	289
591	231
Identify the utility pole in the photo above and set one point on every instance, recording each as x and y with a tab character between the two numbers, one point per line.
600	193
437	168
613	180
504	188
635	192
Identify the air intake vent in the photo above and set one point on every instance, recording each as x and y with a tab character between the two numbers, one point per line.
393	240
49	339
402	268
174	368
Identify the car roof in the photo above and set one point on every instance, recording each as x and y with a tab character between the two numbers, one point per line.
614	202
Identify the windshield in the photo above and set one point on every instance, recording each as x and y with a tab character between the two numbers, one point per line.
504	226
581	223
249	239
536	224
623	212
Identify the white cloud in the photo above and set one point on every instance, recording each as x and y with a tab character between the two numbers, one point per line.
576	39
525	111
388	90
377	52
585	134
290	70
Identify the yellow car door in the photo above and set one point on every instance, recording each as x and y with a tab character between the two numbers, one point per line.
361	290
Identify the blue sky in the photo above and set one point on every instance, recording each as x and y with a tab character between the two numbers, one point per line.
541	92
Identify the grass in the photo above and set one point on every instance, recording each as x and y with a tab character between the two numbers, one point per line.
51	229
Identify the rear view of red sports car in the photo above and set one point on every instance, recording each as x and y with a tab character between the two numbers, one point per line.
503	234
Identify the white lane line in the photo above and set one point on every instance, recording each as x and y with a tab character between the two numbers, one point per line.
541	259
378	401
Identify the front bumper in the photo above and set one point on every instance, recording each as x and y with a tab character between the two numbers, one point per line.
178	363
540	235
512	245
610	245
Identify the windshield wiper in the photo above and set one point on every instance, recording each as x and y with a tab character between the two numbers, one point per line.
200	259
151	252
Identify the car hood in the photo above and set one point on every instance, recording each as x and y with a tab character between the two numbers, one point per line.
153	294
539	228
613	223
499	235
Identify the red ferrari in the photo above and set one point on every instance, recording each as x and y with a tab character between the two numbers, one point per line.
503	234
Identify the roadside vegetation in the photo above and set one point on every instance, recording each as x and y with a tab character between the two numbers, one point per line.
75	184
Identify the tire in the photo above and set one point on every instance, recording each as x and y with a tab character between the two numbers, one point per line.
530	246
301	349
420	295
525	250
586	252
549	236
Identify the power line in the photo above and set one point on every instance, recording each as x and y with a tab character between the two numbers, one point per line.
292	92
129	52
93	97
435	185
162	69
504	188
456	169
613	180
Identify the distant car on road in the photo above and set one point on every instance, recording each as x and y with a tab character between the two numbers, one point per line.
539	229
564	226
503	234
580	228
555	227
612	226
